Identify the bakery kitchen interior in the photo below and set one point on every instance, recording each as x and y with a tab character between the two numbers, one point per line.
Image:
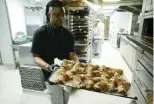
110	59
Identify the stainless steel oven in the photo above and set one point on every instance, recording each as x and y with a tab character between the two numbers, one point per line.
147	63
143	79
141	99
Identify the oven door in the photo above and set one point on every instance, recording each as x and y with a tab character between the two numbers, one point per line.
147	63
141	99
143	79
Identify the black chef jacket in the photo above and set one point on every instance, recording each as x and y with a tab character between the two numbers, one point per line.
50	42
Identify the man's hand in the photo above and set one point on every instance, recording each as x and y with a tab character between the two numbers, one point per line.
52	67
40	62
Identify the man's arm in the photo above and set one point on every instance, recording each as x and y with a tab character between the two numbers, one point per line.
40	62
36	49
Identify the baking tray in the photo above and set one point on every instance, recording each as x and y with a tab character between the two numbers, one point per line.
130	94
82	34
79	25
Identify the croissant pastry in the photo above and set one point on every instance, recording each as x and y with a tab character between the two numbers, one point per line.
61	71
69	74
77	80
62	79
89	84
97	86
96	79
93	77
119	71
104	86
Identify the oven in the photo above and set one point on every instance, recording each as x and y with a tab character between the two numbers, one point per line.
143	79
147	63
147	29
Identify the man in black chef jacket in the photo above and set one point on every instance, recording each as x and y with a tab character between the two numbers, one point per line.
53	41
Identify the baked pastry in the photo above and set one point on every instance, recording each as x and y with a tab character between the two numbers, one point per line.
93	77
77	81
122	90
82	76
119	71
96	73
95	67
69	74
62	79
104	86
97	86
61	71
96	79
89	84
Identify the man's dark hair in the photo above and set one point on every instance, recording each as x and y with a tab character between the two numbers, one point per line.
53	3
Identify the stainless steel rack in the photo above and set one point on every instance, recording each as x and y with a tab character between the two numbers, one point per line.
80	23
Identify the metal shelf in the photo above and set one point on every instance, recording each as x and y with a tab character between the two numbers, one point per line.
85	24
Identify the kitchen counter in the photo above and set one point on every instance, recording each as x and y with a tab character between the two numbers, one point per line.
25	56
16	47
145	43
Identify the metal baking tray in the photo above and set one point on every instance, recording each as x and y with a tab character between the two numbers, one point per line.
81	34
79	25
78	17
86	24
130	94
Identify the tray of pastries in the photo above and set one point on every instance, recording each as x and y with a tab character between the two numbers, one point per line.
96	78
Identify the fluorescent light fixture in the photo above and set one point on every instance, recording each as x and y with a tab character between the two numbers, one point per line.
111	0
37	0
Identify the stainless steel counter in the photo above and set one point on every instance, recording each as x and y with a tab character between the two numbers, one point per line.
141	65
25	56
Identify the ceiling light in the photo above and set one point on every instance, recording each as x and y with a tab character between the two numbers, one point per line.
37	0
111	0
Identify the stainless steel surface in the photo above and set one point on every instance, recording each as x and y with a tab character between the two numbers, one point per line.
31	29
142	86
141	99
150	56
81	28
25	56
145	76
149	15
149	5
96	48
123	46
139	49
130	94
137	56
146	6
147	63
127	51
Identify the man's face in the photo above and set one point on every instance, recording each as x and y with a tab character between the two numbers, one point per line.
56	15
